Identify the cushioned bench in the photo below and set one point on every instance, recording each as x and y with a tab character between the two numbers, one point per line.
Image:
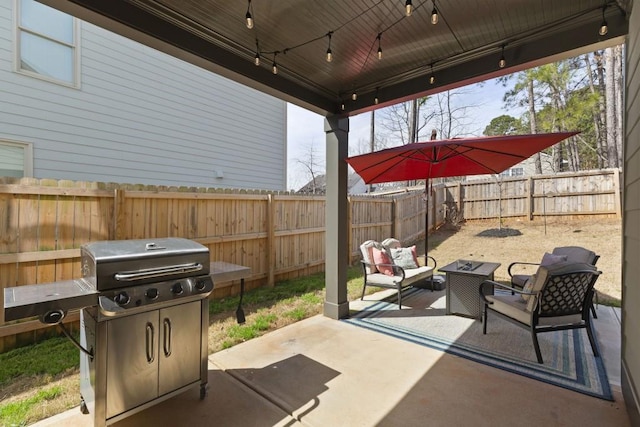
387	265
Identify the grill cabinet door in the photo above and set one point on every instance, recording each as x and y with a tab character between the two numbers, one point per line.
132	361
179	346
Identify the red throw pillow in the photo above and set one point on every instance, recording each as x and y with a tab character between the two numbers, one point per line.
381	257
415	254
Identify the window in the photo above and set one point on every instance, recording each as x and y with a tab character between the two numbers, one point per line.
15	159
517	171
46	43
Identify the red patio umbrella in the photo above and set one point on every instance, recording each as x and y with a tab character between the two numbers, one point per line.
451	157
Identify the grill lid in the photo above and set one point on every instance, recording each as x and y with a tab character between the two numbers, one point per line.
112	264
123	250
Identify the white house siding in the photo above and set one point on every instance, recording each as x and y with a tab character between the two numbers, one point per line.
141	116
631	226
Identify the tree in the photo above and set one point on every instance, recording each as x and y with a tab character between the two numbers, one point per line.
311	163
504	125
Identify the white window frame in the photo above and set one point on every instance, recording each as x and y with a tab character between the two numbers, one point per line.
27	166
75	47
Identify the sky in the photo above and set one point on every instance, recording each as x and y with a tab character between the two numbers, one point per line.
305	130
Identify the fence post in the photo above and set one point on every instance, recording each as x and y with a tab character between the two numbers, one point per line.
616	197
119	214
270	240
530	204
394	220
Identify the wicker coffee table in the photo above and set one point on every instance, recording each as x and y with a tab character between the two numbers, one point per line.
463	284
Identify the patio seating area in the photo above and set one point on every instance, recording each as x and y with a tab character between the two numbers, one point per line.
322	372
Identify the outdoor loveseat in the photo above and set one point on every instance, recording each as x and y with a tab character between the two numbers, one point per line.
388	265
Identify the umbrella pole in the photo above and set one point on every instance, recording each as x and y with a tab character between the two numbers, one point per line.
426	218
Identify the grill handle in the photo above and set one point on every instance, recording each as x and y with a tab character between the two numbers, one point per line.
150	343
167	337
131	276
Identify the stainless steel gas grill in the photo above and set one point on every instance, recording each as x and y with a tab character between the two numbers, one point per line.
143	324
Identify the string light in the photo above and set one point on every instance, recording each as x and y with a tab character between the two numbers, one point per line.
256	59
329	53
432	79
434	14
503	62
274	67
408	8
604	28
354	95
342	105
379	46
375	99
248	16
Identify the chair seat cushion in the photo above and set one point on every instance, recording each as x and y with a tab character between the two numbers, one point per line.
510	305
411	276
514	307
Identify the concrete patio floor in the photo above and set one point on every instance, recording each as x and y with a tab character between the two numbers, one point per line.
321	372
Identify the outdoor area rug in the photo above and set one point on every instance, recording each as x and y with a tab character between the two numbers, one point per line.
568	358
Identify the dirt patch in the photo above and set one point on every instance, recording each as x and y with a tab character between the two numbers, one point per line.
528	241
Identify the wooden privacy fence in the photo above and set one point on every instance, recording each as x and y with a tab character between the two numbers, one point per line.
279	236
569	194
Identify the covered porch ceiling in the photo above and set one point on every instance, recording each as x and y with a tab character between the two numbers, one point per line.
465	45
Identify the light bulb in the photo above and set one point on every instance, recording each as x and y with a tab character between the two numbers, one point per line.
502	63
257	59
354	96
248	16
342	106
376	100
604	28
329	55
408	8
274	68
379	53
432	79
434	16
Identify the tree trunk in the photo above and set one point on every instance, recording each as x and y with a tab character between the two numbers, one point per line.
532	122
602	137
597	123
413	121
619	90
610	103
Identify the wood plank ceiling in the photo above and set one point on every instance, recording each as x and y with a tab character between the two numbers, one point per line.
464	46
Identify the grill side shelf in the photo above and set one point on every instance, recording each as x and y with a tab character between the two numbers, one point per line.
22	302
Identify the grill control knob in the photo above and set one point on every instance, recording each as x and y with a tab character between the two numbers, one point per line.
177	288
200	284
122	298
151	293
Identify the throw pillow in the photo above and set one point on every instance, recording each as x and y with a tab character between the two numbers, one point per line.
380	257
403	257
550	259
414	252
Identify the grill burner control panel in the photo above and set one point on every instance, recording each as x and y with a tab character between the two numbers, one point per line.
117	301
